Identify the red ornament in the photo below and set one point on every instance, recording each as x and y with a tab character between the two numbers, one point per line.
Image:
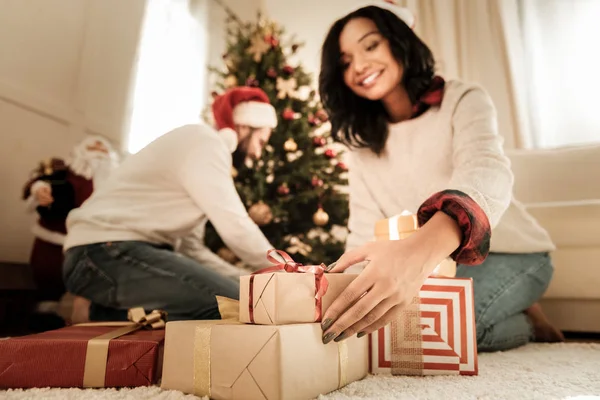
283	189
319	141
312	120
322	115
342	166
272	73
272	40
252	82
316	182
288	69
330	153
288	114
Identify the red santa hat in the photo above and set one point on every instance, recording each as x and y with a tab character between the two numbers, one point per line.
391	5
242	105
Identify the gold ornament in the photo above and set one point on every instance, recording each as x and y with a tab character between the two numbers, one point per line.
286	87
320	218
258	47
290	145
227	255
297	246
230	81
260	213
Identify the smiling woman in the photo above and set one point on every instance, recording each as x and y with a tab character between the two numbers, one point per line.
429	146
375	70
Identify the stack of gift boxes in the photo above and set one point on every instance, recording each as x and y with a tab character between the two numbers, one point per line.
268	345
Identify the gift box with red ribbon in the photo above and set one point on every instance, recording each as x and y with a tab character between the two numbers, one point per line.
94	355
288	292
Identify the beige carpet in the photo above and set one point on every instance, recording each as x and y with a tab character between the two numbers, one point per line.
536	371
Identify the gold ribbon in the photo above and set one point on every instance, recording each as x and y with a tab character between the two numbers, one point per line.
230	311
96	356
343	358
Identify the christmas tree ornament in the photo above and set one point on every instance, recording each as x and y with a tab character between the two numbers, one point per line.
286	87
270	178
341	165
258	47
260	213
288	114
252	82
312	120
288	69
298	247
319	141
320	218
272	40
330	153
272	73
322	115
283	189
316	181
290	145
227	255
230	81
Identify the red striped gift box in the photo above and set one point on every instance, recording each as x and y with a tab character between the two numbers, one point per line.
434	336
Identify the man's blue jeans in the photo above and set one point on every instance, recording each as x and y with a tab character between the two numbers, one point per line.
116	276
504	286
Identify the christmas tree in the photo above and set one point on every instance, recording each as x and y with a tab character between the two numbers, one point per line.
293	193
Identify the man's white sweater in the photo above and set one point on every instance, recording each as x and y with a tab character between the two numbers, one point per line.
454	146
164	192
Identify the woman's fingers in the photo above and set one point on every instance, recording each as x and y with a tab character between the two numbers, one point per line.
348	259
345	305
371	318
388	317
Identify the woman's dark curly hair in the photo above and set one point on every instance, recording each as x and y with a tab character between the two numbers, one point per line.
357	121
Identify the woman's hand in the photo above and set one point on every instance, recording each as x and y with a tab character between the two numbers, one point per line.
393	276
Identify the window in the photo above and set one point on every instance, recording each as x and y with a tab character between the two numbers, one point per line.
562	60
169	89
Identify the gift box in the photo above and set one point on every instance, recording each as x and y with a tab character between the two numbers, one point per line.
227	359
288	292
402	226
433	336
87	355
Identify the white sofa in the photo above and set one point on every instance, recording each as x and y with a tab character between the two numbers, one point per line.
561	189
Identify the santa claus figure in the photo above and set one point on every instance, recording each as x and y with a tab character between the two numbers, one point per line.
56	188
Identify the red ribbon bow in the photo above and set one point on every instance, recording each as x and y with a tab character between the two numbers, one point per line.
290	266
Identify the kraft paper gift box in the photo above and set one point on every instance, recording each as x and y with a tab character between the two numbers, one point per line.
86	355
402	226
226	359
288	293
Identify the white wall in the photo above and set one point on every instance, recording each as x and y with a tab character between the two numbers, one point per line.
65	68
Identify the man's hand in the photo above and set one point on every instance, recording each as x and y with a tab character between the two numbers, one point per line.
43	196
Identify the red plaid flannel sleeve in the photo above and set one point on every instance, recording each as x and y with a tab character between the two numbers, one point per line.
471	219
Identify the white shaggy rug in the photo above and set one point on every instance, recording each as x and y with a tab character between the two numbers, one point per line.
536	371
